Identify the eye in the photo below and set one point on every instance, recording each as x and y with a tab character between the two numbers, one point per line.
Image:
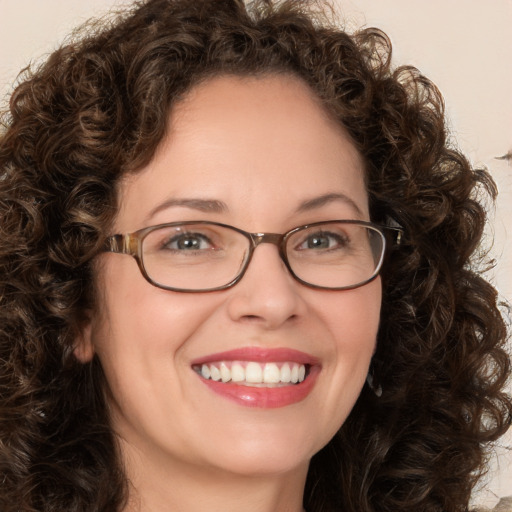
322	240
188	242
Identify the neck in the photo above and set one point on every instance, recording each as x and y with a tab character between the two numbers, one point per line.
183	487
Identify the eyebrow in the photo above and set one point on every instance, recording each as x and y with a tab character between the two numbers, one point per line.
318	202
202	205
217	206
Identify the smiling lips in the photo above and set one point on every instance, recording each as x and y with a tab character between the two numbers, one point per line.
256	377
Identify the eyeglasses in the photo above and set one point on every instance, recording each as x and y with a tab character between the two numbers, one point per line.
202	256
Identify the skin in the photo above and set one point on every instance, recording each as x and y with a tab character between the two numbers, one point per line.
262	146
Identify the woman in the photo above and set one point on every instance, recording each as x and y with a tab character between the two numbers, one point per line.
300	326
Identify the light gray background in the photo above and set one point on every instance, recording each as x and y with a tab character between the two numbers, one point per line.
464	46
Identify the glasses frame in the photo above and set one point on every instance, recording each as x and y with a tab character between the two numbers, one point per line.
132	243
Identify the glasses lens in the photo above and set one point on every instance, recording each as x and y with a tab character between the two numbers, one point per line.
198	256
335	254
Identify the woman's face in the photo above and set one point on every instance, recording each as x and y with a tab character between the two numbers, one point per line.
259	154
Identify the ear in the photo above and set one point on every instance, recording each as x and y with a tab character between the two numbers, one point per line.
83	348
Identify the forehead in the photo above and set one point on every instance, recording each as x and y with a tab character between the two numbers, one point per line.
253	143
281	106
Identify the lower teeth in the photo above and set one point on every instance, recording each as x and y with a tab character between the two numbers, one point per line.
265	385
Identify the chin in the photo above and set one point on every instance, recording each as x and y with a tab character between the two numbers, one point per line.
266	453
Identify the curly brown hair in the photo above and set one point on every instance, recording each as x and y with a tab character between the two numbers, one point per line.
97	109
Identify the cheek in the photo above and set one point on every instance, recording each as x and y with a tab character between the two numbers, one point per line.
353	321
150	323
354	317
137	320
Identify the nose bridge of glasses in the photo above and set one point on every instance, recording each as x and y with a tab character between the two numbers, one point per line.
266	238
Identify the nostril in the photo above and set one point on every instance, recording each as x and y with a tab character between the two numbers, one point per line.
263	318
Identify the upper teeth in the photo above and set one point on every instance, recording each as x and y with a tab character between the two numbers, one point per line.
254	373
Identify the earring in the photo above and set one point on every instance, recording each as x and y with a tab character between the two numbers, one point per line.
377	390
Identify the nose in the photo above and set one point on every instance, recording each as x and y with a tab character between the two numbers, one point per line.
267	294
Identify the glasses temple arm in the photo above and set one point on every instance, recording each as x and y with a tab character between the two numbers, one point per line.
118	243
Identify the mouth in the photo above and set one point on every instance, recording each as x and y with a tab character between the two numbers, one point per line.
255	377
